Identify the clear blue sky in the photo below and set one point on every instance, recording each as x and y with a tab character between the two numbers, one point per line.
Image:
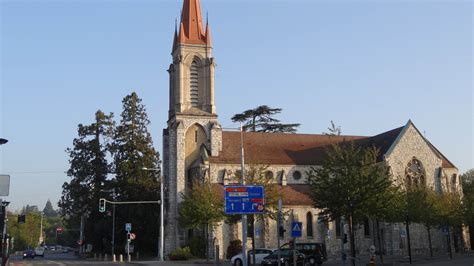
367	65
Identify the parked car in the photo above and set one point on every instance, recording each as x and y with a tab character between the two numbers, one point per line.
39	251
260	253
286	258
28	254
315	253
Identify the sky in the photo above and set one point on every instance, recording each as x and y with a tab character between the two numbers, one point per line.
369	66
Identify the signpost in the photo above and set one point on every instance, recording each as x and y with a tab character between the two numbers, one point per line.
128	228
243	199
296	229
4	185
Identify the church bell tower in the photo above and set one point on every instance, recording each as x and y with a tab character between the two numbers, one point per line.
193	132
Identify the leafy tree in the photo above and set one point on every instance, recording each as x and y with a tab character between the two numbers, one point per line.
451	213
201	208
349	183
26	235
88	171
468	195
261	119
132	150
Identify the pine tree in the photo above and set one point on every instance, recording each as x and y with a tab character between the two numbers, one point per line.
88	171
261	119
132	150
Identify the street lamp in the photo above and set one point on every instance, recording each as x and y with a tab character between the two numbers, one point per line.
162	230
3	141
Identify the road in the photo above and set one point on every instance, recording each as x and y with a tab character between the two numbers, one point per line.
70	259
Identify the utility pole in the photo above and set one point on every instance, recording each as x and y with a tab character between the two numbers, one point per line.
41	230
244	216
113	231
81	235
279	224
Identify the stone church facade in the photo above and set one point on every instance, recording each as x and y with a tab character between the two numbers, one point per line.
195	146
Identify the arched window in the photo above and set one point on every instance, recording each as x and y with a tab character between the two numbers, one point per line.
194	82
415	173
309	224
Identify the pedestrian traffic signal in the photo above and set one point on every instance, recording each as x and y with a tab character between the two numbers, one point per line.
22	218
102	205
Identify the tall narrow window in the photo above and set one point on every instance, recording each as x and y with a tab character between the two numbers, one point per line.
194	82
309	224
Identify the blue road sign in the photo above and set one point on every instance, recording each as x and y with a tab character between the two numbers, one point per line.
128	227
296	228
244	199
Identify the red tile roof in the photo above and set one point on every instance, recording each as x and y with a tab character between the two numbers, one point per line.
290	149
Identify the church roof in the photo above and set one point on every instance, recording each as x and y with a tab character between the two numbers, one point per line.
291	149
190	27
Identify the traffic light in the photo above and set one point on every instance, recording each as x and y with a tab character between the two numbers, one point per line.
102	205
291	244
281	231
344	239
22	218
129	239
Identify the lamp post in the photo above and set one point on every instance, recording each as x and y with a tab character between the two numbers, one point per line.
162	230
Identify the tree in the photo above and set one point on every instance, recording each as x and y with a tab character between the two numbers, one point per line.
468	196
201	208
261	119
451	214
349	183
88	171
132	150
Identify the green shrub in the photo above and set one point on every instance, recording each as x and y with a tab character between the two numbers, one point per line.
197	245
183	253
234	248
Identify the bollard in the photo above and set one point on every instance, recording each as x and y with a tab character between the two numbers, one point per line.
113	258
100	256
95	256
138	255
105	257
121	258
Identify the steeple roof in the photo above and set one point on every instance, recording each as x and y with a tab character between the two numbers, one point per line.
190	27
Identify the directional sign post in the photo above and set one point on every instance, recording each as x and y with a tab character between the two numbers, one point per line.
244	199
296	229
128	227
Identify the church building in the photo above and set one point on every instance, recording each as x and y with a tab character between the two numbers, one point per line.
196	146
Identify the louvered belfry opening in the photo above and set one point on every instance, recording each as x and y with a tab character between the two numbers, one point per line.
194	84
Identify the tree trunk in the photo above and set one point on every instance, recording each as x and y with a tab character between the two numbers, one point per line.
450	252
207	242
351	232
381	248
428	229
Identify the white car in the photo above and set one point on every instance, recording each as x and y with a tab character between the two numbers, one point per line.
260	253
39	251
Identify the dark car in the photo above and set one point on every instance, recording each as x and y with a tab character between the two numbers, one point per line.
314	253
29	254
286	257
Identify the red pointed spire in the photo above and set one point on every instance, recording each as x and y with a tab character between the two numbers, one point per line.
191	30
208	34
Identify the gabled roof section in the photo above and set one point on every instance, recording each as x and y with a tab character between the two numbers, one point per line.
190	26
445	162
